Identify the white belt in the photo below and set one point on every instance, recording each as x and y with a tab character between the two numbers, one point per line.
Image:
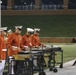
4	49
30	44
15	47
26	46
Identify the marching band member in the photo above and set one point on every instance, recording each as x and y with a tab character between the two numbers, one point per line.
27	42
2	49
14	44
35	38
36	42
26	39
14	41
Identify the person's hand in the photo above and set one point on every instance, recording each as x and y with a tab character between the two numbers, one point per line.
14	49
27	48
18	48
37	46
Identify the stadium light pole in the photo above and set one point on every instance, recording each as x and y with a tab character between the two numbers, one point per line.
0	12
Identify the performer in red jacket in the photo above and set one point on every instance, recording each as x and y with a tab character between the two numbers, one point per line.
3	49
14	41
35	38
26	39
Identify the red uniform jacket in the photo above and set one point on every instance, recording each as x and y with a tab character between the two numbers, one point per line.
26	40
2	48
14	40
36	40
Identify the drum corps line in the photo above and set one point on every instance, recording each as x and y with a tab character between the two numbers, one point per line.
16	43
11	43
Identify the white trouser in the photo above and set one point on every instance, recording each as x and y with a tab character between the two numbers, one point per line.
2	65
11	68
35	61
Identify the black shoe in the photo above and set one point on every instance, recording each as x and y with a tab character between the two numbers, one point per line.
74	63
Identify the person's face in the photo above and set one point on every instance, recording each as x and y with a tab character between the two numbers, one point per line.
18	31
28	33
3	33
10	33
37	33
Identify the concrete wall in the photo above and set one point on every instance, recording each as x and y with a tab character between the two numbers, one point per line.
58	39
38	12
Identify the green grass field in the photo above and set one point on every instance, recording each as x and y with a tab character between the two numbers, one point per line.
50	25
69	51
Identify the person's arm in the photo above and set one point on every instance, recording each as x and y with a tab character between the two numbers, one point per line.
22	45
9	42
38	43
23	40
33	40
